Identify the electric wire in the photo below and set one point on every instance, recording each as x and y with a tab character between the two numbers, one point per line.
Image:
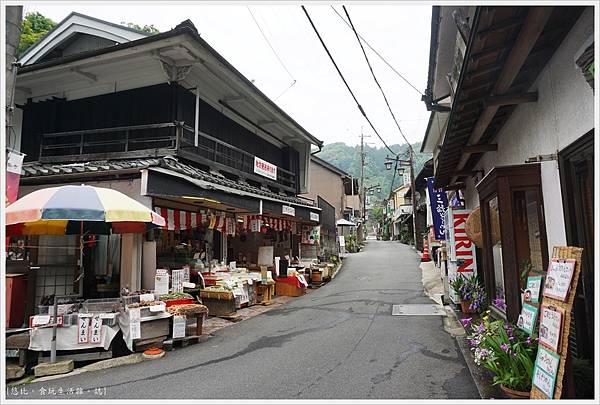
274	52
377	81
345	82
378	54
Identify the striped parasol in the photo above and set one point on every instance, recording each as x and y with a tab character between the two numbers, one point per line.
70	210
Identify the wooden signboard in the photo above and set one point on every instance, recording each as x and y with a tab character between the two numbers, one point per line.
553	301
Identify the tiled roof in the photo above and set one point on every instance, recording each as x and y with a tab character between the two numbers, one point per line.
37	170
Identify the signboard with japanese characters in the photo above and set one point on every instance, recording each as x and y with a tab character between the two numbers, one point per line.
287	210
96	329
545	371
177	280
439	204
161	281
558	279
314	216
532	289
551	323
179	323
558	296
527	318
264	168
135	330
83	329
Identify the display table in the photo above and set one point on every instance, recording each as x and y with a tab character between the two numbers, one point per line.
219	303
153	327
66	338
289	286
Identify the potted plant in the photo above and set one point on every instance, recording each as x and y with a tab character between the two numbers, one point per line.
508	352
470	292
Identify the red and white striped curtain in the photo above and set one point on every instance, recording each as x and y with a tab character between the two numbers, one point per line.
180	220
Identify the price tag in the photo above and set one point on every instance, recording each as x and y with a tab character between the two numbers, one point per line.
135	331
179	323
146	297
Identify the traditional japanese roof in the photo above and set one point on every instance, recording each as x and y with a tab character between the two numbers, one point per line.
75	26
47	173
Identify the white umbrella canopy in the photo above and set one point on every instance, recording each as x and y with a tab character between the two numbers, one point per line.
344	222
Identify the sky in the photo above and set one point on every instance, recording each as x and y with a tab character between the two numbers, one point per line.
319	100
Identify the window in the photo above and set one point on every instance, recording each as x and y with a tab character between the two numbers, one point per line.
514	234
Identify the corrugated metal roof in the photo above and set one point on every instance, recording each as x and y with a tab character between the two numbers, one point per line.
109	167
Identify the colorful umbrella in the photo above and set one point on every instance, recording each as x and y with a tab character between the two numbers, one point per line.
69	210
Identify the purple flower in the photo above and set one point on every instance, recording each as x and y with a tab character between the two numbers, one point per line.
528	341
511	338
504	347
466	322
481	328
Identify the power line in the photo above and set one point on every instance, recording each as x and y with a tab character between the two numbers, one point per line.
379	55
375	78
344	80
274	52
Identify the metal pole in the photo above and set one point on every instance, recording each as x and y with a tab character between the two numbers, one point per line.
414	192
54	326
362	180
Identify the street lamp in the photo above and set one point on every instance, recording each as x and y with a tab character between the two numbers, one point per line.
388	165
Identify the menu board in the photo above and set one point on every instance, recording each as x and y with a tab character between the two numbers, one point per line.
551	327
558	278
545	371
527	318
532	289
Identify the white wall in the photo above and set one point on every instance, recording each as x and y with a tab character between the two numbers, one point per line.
563	113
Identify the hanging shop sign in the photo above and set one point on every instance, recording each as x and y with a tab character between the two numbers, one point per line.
532	289
439	205
14	162
551	323
558	278
462	249
527	318
264	168
287	210
314	216
545	371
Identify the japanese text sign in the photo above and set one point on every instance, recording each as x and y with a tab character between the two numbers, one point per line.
439	204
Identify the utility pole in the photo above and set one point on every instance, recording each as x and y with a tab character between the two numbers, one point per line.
14	16
411	159
362	192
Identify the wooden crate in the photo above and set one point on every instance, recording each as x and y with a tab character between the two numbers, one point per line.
155	328
288	290
217	307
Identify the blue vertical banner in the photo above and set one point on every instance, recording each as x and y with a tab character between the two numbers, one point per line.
439	205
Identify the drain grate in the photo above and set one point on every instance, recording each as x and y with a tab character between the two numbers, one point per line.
418	309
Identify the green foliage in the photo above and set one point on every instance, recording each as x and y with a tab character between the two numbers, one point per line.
377	214
150	29
33	28
508	352
347	158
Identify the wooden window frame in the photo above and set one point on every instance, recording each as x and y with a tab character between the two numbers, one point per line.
502	182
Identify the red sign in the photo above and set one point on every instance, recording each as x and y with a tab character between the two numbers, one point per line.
14	162
464	247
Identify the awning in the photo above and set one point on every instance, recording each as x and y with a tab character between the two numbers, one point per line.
344	222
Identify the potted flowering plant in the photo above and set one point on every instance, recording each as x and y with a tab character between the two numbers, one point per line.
508	352
470	292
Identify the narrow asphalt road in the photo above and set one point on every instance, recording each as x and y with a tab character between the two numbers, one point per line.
339	341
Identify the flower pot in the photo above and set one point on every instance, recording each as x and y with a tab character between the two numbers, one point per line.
512	394
464	307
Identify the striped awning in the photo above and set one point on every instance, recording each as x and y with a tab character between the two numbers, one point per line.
181	220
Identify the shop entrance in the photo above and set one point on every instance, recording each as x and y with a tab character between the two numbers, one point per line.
577	178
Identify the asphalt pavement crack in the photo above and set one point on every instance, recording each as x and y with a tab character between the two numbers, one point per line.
339	363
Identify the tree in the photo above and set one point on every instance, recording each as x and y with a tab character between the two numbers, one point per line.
150	29
34	27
